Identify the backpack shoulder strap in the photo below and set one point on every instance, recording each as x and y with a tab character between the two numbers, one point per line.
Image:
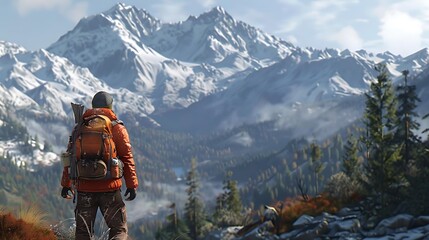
115	122
109	122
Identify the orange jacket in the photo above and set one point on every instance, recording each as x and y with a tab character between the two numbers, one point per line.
124	152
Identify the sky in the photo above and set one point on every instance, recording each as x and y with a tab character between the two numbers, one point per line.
397	26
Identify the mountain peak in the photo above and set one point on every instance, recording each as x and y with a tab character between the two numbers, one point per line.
122	10
138	21
119	7
219	10
423	53
11	48
216	13
388	56
125	17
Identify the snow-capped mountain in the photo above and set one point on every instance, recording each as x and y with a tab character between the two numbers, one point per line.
40	86
129	48
10	48
203	74
49	82
215	37
109	45
310	92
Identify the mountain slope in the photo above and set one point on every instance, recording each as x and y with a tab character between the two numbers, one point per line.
215	37
118	47
41	85
308	91
109	45
204	74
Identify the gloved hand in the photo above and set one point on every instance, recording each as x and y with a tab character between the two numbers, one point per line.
65	193
132	192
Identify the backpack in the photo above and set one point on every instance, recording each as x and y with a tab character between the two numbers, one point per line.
95	150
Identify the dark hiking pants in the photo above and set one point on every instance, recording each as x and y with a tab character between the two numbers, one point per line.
111	207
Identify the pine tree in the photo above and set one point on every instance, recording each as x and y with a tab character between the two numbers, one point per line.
406	114
419	192
228	204
194	208
379	118
316	164
233	201
175	228
350	162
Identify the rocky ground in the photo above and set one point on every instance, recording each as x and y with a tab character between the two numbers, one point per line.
346	224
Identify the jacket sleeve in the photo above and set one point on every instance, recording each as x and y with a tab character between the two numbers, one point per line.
65	178
124	152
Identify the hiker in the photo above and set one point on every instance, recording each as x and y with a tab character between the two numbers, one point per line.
100	192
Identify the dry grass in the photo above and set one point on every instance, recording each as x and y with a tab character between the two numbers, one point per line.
17	229
2	210
33	215
291	209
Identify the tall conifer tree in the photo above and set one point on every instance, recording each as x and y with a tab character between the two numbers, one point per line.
316	164
228	204
194	208
233	200
380	177
350	162
406	114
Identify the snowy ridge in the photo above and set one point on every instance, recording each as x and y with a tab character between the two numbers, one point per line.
49	82
109	45
31	161
40	85
310	92
10	48
215	37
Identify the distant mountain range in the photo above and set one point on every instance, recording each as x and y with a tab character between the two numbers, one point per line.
210	72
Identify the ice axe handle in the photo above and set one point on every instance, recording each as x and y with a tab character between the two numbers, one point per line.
77	111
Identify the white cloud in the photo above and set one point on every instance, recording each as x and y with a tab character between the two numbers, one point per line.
72	11
325	11
292	39
289	2
77	11
362	20
26	6
207	3
171	10
348	38
400	32
316	20
319	13
252	17
287	27
412	24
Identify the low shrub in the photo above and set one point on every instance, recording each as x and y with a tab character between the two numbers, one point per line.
291	209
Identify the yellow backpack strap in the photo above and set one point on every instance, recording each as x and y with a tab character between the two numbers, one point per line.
108	121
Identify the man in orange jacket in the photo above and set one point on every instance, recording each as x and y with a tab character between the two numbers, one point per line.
104	194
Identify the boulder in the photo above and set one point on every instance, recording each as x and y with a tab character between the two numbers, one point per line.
302	221
395	222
